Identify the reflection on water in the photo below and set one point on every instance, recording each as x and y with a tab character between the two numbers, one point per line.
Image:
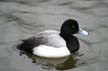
64	63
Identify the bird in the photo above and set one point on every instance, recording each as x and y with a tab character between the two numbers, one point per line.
52	43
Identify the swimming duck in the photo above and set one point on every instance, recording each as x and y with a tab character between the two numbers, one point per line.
54	44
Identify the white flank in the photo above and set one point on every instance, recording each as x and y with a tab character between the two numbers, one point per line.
51	52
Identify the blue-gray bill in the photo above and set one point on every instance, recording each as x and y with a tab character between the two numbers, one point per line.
83	32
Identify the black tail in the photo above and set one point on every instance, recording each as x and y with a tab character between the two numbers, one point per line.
27	45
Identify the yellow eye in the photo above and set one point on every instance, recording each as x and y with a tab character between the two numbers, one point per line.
73	26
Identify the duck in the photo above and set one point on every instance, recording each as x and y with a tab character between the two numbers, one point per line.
52	43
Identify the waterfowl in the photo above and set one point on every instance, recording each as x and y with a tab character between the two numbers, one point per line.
54	44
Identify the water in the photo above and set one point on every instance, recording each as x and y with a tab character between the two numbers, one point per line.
21	19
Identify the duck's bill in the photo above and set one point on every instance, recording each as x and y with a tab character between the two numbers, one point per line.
82	32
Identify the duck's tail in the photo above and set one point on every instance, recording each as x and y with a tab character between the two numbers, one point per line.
27	45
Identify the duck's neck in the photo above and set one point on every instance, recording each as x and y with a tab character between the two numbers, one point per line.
65	36
71	42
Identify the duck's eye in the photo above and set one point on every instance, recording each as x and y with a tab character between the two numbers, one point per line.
73	26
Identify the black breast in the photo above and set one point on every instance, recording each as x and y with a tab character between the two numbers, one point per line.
71	42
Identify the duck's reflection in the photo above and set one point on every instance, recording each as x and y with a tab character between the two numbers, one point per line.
64	63
67	64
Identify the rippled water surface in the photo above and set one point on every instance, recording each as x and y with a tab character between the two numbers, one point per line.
20	19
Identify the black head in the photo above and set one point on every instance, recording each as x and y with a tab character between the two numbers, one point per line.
69	27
